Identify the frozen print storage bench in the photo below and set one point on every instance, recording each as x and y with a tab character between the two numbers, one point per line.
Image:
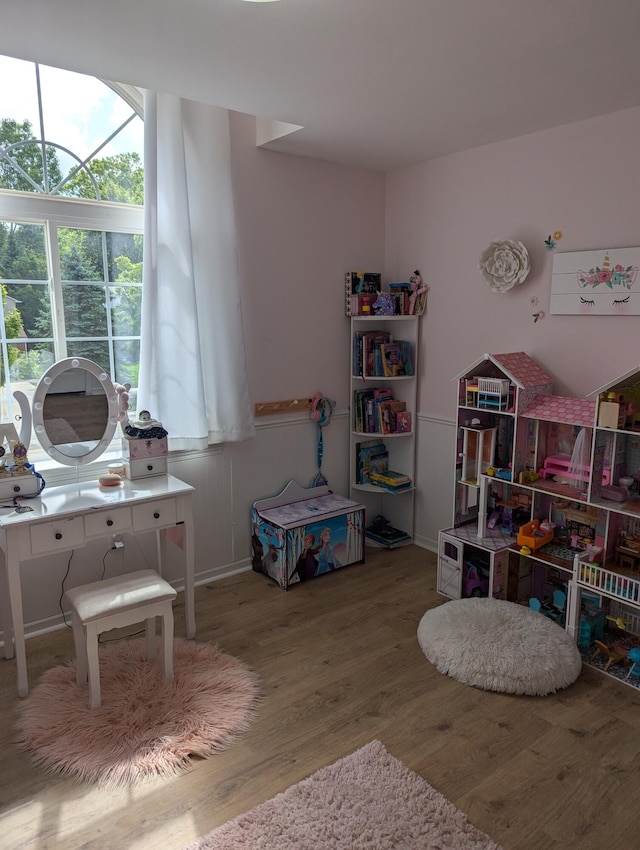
302	533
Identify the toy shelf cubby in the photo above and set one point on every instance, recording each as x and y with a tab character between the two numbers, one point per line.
381	435
525	454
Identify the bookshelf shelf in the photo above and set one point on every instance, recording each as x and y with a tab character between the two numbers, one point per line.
380	404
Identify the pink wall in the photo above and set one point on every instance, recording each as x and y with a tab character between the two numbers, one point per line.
583	179
302	223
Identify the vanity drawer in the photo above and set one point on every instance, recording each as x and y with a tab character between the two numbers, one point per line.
61	534
99	523
145	468
158	514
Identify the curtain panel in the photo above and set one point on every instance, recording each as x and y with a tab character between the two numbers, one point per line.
193	373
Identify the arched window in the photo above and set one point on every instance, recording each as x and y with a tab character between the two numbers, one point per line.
71	224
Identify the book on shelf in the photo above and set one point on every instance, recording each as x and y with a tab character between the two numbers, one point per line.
403	422
367	352
388	537
396	408
397	358
391	480
376	411
357	284
393	477
365	452
383	532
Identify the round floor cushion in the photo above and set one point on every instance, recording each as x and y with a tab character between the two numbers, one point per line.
499	646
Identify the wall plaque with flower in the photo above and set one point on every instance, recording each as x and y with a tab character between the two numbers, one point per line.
603	283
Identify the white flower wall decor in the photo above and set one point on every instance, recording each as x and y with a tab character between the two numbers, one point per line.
504	264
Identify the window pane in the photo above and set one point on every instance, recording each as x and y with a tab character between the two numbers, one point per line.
127	359
81	254
23	255
28	363
96	350
125	310
85	312
33	305
124	257
87	115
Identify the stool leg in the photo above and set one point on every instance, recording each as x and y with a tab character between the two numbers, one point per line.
93	665
150	632
167	641
80	645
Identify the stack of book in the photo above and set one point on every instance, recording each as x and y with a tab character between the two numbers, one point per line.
376	411
376	354
395	482
371	456
386	534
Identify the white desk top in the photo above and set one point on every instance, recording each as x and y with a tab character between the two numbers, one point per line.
89	495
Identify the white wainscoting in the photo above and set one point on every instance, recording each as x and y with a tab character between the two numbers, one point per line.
435	456
227	480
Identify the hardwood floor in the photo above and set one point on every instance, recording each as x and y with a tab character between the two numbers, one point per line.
340	665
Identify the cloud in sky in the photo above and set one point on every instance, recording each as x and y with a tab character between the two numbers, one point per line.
79	111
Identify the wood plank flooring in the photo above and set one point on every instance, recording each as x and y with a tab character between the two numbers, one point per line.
340	665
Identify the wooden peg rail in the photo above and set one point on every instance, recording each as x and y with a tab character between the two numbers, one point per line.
292	405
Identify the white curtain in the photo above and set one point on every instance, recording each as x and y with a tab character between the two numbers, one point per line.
192	360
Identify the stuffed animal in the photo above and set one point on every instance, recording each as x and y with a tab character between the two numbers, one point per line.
384	305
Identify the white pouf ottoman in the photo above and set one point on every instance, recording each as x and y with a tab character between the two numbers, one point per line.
499	646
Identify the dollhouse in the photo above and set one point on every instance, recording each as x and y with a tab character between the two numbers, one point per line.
546	503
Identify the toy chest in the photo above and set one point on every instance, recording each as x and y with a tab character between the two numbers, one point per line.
303	533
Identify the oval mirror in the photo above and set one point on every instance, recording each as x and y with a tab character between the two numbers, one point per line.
75	411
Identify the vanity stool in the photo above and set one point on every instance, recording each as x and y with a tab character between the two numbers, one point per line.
113	603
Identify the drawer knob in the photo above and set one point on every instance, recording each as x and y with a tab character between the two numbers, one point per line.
58	535
149	467
109	522
16	488
156	515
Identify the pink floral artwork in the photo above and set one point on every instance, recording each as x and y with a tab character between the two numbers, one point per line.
602	282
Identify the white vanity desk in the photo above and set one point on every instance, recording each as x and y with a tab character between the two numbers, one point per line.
68	517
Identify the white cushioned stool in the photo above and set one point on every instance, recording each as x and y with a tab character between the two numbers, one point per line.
111	604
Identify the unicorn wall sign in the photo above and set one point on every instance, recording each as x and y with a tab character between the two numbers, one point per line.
600	283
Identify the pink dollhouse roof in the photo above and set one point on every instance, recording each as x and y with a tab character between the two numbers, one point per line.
517	366
570	411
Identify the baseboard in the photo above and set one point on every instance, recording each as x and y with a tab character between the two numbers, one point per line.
426	543
53	624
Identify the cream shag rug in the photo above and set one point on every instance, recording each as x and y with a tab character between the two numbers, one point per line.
499	646
145	726
366	801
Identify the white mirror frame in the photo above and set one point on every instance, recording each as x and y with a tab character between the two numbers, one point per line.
38	410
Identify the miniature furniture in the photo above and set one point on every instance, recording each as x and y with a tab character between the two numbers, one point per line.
634	656
591	627
611	653
531	535
628	558
114	603
68	517
559	600
562	466
551	611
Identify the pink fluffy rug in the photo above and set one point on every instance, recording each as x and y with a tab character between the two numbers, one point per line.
145	726
366	800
